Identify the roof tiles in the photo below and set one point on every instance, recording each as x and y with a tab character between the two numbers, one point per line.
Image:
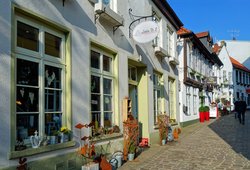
238	65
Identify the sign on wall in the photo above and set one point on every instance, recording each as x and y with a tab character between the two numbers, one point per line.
145	31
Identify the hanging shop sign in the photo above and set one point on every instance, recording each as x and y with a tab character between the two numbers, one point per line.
211	80
145	31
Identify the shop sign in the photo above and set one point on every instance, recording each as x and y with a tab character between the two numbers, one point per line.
145	31
211	80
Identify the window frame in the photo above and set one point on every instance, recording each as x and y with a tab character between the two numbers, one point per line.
42	60
157	87
103	75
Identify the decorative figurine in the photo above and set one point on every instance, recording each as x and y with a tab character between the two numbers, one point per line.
35	140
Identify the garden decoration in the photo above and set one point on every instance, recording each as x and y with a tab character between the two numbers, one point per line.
22	164
35	140
170	134
87	148
176	133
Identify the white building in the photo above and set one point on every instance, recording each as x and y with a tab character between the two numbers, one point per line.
198	65
235	76
70	62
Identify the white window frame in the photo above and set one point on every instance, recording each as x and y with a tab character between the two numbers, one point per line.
188	100
103	74
42	59
170	41
158	86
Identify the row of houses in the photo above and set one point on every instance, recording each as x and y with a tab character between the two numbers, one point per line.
66	62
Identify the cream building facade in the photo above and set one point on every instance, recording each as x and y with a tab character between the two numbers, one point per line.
70	62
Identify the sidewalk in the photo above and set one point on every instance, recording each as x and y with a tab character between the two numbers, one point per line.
217	144
155	150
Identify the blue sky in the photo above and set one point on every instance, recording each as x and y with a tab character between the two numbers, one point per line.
222	18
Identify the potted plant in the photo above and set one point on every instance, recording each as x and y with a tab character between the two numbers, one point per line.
131	151
201	113
206	112
54	137
164	136
64	134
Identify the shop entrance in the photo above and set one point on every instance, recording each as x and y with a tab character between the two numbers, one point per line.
133	96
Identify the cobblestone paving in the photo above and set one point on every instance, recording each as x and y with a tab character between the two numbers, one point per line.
222	144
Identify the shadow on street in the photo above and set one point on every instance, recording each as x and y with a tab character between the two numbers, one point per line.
234	133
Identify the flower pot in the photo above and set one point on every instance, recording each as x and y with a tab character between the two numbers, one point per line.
64	138
119	160
131	156
202	116
163	141
114	162
53	140
91	166
207	116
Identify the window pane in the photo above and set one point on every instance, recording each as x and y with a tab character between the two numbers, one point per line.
96	118
107	119
52	77
53	123
27	72
27	36
52	100
95	102
26	124
107	86
95	84
95	60
52	45
27	99
133	73
107	103
107	63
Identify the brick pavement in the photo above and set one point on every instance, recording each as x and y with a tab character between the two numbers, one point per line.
217	144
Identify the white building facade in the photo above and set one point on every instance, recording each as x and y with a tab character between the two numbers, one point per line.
197	65
70	62
235	77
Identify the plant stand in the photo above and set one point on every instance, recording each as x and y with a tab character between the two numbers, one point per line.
131	133
163	127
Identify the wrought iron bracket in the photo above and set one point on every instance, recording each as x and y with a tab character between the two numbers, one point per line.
138	20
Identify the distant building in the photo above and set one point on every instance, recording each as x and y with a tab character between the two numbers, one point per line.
197	67
235	75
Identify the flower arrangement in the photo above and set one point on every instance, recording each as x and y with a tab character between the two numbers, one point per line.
65	130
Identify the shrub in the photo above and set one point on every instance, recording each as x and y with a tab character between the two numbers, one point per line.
201	109
206	109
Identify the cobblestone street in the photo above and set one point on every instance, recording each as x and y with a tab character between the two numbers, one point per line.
217	144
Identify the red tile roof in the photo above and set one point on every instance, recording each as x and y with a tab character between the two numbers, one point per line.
183	30
238	65
202	34
216	48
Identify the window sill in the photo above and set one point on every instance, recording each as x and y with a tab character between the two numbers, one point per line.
107	137
42	149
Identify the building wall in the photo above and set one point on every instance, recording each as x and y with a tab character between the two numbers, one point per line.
227	91
242	55
5	78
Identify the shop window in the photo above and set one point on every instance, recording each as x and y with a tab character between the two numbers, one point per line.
27	36
158	86
52	45
132	73
39	80
101	89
